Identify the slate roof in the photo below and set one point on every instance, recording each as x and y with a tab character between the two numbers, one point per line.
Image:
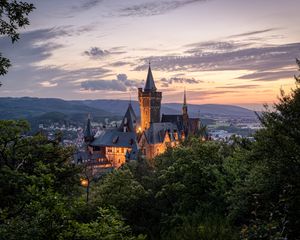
175	119
115	138
150	85
156	132
80	157
129	120
178	120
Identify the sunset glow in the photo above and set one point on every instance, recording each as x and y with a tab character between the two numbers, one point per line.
221	51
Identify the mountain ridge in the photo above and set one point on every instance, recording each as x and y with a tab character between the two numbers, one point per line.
31	107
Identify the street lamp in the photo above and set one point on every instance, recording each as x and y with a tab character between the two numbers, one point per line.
86	183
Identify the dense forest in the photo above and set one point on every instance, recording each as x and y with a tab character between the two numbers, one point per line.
199	190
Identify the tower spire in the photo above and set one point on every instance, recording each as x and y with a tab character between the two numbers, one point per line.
88	134
150	85
184	106
185	115
184	97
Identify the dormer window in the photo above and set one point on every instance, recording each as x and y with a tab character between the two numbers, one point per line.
115	139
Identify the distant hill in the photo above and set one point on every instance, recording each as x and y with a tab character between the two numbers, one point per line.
213	109
43	109
120	106
47	108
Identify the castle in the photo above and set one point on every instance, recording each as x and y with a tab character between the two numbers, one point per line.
149	137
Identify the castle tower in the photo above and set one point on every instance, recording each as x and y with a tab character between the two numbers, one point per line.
185	115
150	102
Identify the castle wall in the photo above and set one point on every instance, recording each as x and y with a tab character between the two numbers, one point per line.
116	155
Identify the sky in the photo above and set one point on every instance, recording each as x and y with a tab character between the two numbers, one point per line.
222	51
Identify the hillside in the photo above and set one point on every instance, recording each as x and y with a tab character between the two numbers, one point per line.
13	108
117	107
77	110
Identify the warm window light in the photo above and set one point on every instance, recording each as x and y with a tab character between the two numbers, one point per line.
84	182
139	130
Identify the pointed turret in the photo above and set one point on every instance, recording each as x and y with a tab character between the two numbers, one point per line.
129	120
185	115
88	135
184	106
150	85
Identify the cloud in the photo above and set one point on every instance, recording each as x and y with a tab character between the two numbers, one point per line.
215	46
51	77
96	53
86	5
33	47
36	46
121	83
166	82
155	7
246	86
48	84
247	34
269	76
119	64
257	59
111	85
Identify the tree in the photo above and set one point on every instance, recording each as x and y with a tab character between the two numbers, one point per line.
108	225
191	192
40	192
268	197
37	184
13	16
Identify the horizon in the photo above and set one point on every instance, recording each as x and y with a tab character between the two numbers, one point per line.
251	107
105	54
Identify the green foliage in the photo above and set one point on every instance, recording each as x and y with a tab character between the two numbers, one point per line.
13	15
191	193
121	190
109	226
277	148
40	196
269	195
